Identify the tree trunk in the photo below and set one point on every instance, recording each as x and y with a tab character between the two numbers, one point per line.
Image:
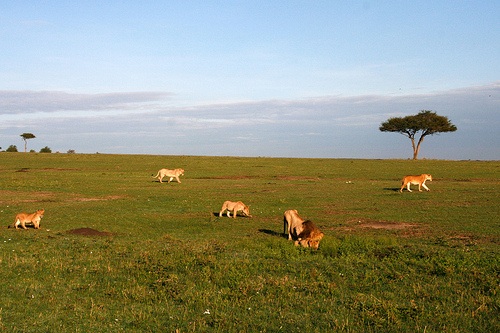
25	146
415	149
415	154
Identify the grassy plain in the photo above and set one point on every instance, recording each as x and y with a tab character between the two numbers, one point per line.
164	260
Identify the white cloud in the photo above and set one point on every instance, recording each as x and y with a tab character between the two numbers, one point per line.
19	102
330	126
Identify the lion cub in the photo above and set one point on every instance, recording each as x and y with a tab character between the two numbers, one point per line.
420	180
235	207
23	218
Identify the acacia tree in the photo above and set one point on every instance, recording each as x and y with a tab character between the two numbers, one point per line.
26	137
426	122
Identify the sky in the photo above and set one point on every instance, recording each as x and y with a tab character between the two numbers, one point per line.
249	78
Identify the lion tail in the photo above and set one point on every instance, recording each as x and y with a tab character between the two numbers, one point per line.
156	175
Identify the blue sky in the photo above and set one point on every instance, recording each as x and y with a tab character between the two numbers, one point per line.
249	78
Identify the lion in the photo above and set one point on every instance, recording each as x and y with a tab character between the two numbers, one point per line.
235	207
310	235
23	218
420	180
292	223
169	173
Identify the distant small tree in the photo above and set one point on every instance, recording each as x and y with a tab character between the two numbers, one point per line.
45	150
12	149
26	137
426	122
71	151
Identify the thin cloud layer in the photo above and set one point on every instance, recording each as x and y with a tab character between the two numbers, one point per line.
331	126
19	102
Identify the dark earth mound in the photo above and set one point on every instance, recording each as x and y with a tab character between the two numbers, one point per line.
89	232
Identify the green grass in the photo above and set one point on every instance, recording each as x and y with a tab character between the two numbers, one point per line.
389	262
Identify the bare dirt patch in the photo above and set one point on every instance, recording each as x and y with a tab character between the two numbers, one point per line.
468	239
22	196
109	197
364	223
227	177
45	196
45	169
469	180
89	232
281	177
386	225
296	178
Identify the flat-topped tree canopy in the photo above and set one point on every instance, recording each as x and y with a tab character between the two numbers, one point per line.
426	122
26	137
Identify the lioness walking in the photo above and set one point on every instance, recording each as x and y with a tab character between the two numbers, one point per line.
416	180
169	173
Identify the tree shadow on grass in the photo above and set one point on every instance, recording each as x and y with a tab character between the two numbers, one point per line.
273	233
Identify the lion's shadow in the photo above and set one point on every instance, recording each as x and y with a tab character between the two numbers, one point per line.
163	182
216	214
273	233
